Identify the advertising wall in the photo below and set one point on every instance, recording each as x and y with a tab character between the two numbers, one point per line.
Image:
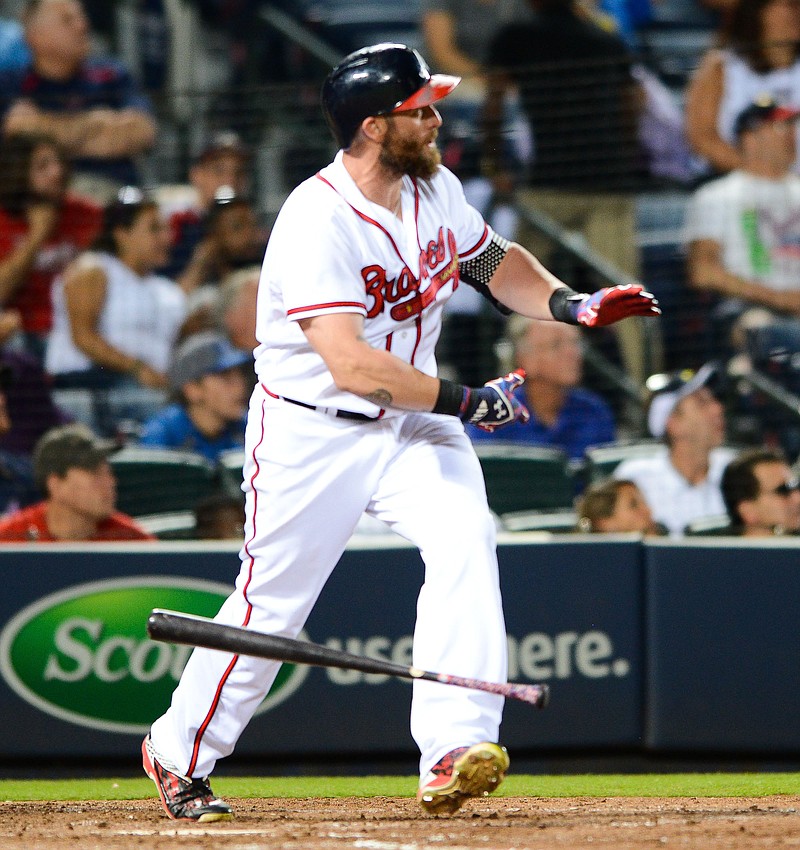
80	677
663	647
723	647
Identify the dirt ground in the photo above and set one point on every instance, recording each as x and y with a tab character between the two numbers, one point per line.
389	823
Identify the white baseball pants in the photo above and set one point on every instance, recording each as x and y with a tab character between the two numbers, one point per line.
308	479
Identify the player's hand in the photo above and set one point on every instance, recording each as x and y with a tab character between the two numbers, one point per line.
613	303
493	405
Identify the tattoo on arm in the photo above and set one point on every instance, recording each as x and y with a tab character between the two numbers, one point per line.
383	398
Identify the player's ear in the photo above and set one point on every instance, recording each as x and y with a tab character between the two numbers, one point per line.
375	127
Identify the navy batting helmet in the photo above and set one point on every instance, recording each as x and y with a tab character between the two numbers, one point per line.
379	80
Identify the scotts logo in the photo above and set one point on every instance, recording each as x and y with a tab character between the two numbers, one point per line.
83	654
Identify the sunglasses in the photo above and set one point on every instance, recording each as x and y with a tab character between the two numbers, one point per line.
787	488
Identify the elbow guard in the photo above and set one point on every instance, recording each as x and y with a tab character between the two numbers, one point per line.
478	271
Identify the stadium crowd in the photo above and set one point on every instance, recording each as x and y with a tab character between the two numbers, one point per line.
139	177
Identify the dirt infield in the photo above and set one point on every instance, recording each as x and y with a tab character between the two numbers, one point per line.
391	823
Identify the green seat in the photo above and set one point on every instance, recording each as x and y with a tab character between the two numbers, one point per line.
178	525
525	478
230	465
601	461
561	521
155	481
715	525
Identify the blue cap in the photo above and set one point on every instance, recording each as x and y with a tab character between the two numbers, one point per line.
204	354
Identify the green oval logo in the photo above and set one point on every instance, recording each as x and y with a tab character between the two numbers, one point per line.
83	654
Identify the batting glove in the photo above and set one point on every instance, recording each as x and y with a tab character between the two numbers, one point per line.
605	306
613	303
494	405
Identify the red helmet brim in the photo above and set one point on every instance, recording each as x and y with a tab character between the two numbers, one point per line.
439	86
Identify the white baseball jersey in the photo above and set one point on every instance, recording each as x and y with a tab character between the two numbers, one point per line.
362	259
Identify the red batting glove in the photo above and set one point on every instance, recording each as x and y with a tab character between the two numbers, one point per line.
613	303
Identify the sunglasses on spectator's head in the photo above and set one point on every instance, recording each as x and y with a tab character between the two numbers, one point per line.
785	489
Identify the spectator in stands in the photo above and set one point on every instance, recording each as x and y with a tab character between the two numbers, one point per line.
223	163
563	414
42	228
232	241
457	35
759	55
91	106
115	322
762	495
219	517
17	487
583	104
207	377
682	483
14	52
29	401
72	470
235	307
743	229
615	506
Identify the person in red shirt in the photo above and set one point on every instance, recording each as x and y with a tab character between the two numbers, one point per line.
42	228
71	467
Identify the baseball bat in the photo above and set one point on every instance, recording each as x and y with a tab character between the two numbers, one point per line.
175	627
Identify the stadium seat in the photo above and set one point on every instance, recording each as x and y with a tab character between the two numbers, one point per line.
555	522
178	525
230	465
601	461
525	478
716	525
154	481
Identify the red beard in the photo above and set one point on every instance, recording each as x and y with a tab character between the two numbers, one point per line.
407	156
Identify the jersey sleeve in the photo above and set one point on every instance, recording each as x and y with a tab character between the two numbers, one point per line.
319	274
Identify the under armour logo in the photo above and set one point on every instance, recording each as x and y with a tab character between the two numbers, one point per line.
499	408
480	411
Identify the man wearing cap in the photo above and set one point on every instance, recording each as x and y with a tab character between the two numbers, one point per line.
762	495
743	229
681	483
348	416
207	378
71	468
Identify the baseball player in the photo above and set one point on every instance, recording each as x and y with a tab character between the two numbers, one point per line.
348	416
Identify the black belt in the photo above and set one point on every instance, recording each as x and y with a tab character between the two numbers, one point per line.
332	411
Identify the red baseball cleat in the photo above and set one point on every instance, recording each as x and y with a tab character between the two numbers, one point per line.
183	798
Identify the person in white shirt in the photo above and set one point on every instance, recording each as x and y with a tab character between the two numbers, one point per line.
115	322
743	230
681	483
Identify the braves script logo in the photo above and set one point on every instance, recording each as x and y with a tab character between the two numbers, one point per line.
382	289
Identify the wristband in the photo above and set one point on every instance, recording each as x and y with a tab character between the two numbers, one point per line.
564	304
452	399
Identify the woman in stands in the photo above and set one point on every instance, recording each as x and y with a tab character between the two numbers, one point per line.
615	506
42	228
759	55
115	322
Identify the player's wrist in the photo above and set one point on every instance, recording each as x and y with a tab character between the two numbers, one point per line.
453	399
564	304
